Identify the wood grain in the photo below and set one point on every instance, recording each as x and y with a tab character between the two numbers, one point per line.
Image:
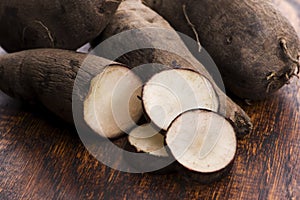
43	158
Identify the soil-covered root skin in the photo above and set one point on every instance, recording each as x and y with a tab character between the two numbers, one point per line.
64	24
202	141
60	80
147	140
47	76
113	105
254	46
172	92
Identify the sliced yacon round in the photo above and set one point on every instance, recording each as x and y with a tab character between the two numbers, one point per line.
202	141
146	140
112	105
172	92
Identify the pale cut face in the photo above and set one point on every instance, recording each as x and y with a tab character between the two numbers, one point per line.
148	140
112	105
202	141
172	92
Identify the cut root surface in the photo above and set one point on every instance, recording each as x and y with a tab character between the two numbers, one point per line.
112	105
148	140
202	141
172	92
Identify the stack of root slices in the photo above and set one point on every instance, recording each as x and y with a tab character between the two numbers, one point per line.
182	107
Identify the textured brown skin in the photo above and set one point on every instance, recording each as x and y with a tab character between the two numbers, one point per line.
207	178
47	76
132	14
64	24
243	38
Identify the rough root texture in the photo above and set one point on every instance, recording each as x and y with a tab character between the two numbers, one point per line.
65	24
255	48
47	76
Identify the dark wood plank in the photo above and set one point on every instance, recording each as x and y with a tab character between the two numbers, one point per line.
41	158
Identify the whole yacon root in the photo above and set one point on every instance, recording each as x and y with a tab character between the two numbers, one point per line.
254	46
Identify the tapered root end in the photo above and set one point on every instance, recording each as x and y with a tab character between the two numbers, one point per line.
295	69
242	125
275	80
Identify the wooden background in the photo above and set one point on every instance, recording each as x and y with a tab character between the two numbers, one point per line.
43	158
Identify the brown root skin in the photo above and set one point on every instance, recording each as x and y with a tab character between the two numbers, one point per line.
131	14
47	76
63	81
46	24
245	39
207	178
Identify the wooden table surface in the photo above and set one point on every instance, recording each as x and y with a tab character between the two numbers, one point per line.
43	158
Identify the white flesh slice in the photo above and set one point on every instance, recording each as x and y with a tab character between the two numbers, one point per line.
146	139
172	92
202	141
112	105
